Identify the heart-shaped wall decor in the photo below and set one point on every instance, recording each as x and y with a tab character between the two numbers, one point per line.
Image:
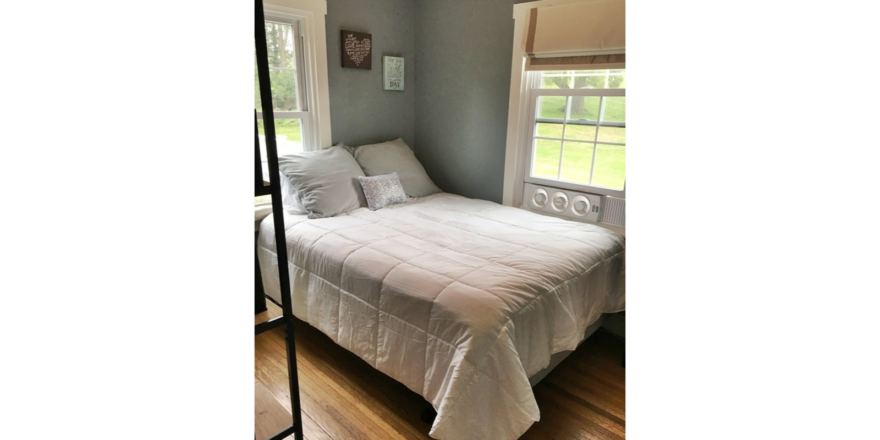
356	50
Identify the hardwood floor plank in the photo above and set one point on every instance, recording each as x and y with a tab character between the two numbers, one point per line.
325	417
388	426
359	421
269	416
392	403
584	382
600	422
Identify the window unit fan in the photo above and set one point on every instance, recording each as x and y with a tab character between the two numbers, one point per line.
575	205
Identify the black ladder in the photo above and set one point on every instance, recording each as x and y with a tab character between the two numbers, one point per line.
286	319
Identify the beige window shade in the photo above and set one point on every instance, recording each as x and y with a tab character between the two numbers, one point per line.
579	36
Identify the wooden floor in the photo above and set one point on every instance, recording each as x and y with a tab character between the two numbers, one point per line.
344	398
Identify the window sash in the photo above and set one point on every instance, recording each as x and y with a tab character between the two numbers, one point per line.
306	125
531	137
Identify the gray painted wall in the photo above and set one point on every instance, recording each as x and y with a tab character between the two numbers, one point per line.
453	111
462	92
360	111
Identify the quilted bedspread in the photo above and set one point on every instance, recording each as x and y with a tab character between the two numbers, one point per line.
460	300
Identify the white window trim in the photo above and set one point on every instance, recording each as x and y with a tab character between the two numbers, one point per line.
311	15
518	123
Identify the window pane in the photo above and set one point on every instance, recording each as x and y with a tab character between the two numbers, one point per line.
580	132
551	107
288	137
615	109
284	93
584	108
280	45
577	158
616	135
546	160
610	170
280	38
555	80
584	79
550	130
288	140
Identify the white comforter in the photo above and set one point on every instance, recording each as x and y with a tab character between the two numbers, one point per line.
460	300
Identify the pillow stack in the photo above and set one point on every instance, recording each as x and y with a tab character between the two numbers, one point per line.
396	156
339	179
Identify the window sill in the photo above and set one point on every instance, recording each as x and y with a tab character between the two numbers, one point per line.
261	212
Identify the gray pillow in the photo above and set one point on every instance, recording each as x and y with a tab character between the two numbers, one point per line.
325	180
396	156
381	191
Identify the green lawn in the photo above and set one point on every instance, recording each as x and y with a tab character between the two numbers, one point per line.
285	127
576	162
577	157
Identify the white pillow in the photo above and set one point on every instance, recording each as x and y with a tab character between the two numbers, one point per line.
395	156
290	199
326	181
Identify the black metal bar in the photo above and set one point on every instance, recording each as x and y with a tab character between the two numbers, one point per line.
258	167
259	293
284	432
278	214
269	325
293	375
262	191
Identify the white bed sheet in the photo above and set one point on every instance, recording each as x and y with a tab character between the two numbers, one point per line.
460	300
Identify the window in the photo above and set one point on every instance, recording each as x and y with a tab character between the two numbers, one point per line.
289	100
566	120
297	47
578	133
283	45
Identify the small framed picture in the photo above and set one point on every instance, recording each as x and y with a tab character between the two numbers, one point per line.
392	73
357	50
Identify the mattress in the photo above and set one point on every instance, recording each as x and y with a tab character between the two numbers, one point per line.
460	300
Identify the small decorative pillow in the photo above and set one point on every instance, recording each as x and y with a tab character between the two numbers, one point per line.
381	191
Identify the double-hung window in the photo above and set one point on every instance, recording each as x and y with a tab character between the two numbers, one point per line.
289	100
577	137
566	124
297	48
289	94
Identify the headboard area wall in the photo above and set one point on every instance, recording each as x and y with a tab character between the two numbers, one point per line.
361	111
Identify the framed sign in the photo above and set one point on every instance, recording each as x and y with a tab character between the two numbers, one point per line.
357	50
392	73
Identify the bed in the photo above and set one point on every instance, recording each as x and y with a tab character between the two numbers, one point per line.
461	300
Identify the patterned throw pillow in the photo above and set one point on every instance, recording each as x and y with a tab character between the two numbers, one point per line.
381	191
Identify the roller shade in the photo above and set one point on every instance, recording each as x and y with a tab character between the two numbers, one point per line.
577	36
